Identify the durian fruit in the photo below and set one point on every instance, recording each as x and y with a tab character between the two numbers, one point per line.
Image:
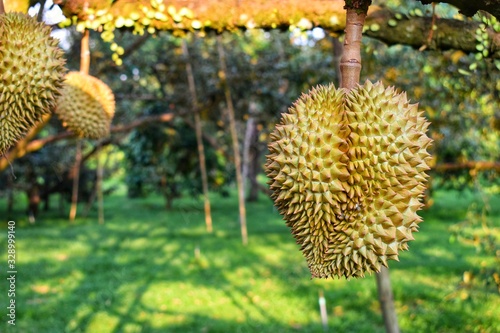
86	106
347	170
31	74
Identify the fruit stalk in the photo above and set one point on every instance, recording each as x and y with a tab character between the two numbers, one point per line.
350	63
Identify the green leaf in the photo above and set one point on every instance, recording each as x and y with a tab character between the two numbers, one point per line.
464	72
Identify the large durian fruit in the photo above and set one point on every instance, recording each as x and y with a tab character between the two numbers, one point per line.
347	170
86	106
31	74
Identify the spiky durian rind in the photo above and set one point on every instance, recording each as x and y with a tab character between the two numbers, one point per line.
31	74
86	106
347	170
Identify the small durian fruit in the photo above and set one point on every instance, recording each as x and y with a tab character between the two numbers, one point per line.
347	171
31	74
86	106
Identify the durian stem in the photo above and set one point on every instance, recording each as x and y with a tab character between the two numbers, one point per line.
199	135
85	53
2	8
350	63
234	136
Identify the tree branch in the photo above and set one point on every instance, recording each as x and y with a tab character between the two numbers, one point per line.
414	31
25	146
470	7
473	165
330	15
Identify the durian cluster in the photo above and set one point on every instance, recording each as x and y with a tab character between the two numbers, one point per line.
31	72
86	106
347	171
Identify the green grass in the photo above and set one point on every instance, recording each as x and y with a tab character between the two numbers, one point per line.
138	273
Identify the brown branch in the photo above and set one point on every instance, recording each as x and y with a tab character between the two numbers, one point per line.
474	165
330	15
26	146
412	31
470	7
128	52
431	30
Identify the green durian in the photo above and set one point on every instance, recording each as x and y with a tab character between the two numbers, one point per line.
347	172
31	74
86	106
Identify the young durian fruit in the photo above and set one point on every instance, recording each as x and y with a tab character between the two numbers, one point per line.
31	74
86	106
347	170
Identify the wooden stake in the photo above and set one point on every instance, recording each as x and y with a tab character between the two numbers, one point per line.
84	68
234	136
199	136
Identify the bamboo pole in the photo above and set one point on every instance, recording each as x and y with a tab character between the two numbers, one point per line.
350	67
234	137
84	68
199	136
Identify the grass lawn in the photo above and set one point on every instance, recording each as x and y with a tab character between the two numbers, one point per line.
139	272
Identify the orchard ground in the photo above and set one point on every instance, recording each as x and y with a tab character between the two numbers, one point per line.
151	270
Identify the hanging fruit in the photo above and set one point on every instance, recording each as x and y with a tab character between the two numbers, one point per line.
32	71
347	168
86	106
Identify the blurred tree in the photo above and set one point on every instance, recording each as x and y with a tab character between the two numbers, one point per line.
164	159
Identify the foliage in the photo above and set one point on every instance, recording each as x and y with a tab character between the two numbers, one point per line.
157	281
479	229
164	158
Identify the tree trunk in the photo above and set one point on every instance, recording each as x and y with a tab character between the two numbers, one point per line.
199	137
234	137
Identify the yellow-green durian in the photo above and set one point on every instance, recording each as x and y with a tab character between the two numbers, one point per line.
31	74
86	106
347	172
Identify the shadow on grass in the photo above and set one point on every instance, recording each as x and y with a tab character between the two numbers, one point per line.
139	272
